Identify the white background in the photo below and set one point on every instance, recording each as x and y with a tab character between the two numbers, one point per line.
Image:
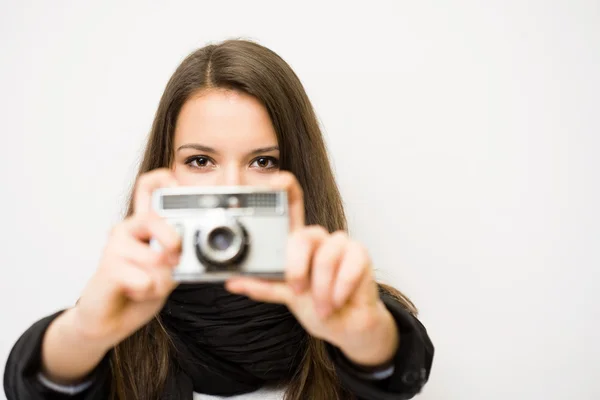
464	136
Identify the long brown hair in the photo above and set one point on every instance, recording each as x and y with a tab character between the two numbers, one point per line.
140	363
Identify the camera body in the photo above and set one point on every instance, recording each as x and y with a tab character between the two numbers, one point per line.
226	230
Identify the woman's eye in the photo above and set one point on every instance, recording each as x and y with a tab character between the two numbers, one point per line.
199	162
265	163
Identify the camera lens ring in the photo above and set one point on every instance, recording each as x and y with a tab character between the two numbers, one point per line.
233	243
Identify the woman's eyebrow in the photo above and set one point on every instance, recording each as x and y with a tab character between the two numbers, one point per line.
206	149
198	147
263	150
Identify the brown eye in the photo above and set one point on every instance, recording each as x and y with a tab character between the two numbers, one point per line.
265	163
199	162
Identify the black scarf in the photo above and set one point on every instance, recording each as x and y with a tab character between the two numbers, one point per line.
227	344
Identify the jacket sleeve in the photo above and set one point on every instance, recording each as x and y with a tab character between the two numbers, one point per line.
411	364
21	375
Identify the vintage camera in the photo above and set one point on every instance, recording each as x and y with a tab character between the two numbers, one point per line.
226	231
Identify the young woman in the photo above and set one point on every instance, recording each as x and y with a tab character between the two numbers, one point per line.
232	114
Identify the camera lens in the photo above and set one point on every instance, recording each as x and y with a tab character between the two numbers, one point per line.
220	239
221	243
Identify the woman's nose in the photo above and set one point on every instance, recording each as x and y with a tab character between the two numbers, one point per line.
233	176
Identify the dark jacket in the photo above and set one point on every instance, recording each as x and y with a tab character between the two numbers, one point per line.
412	365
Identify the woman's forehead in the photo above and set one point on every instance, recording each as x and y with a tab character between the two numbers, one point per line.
224	118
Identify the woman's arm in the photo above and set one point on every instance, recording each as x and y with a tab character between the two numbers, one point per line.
68	355
24	366
129	287
330	288
409	370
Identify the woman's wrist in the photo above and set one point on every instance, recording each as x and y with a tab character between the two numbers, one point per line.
98	340
376	341
68	354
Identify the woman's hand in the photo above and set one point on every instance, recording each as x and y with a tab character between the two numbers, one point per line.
129	287
133	280
329	287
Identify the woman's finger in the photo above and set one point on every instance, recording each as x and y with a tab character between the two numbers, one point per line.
148	183
143	255
163	281
136	283
151	226
285	180
324	270
300	248
353	270
261	290
141	283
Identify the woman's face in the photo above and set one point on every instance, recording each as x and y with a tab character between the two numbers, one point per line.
223	137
